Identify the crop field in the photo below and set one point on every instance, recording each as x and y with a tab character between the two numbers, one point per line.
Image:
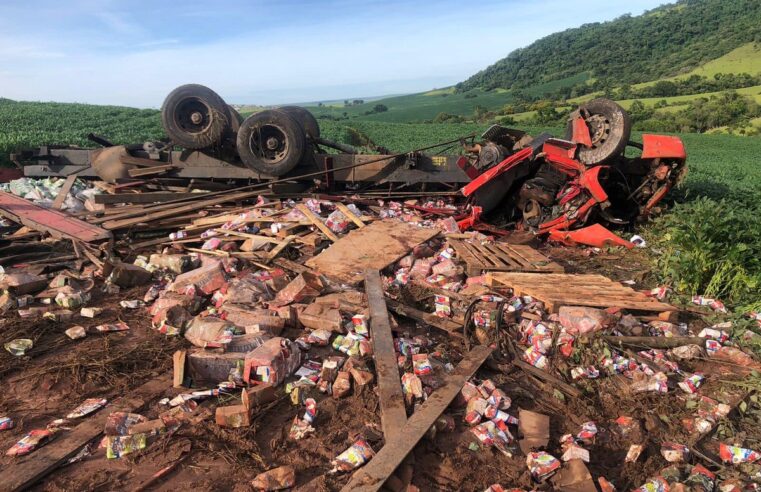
29	124
420	107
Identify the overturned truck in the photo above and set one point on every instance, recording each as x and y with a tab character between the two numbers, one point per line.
593	175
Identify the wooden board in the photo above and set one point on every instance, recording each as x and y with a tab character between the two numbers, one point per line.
317	222
58	224
148	197
452	327
502	257
393	413
24	472
561	289
382	465
64	191
375	246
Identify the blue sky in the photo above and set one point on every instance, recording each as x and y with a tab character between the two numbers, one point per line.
267	52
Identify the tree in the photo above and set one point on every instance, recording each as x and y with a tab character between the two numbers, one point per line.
664	88
380	108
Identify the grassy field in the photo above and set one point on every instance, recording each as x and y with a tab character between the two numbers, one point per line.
745	59
419	107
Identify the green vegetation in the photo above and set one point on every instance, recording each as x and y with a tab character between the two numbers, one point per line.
663	42
415	107
745	59
712	247
29	124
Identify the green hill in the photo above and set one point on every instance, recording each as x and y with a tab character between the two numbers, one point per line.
664	42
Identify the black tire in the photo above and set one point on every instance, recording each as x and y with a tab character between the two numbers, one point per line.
610	128
306	119
195	116
234	121
271	142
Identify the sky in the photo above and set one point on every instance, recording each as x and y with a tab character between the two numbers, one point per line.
134	53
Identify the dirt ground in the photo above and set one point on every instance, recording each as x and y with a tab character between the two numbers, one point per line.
59	373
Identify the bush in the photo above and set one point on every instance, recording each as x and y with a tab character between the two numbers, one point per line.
712	247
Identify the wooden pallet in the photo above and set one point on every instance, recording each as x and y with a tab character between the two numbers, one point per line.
561	289
502	257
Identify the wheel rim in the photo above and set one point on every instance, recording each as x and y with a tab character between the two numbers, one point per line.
269	143
599	127
193	115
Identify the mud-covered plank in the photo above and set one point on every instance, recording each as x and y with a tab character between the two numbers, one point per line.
26	471
374	474
393	413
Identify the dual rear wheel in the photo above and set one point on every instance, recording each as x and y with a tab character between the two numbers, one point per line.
270	142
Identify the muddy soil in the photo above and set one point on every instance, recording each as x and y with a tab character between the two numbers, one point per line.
58	373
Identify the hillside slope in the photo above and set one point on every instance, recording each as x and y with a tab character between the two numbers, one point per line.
663	42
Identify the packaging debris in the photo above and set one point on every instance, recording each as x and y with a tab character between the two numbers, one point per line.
280	478
281	344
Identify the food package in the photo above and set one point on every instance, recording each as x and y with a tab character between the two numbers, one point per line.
421	364
209	332
542	465
31	441
736	454
272	362
118	446
87	407
357	455
359	321
674	452
443	307
581	320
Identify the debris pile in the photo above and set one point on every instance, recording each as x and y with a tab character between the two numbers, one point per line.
340	342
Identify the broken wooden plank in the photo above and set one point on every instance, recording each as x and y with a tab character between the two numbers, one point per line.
372	477
26	471
58	224
292	266
393	413
655	342
149	171
375	246
449	326
317	222
279	248
178	373
548	378
153	197
64	191
560	289
350	215
172	209
246	235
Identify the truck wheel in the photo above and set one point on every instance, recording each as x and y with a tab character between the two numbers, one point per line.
271	142
235	120
194	116
610	128
306	119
